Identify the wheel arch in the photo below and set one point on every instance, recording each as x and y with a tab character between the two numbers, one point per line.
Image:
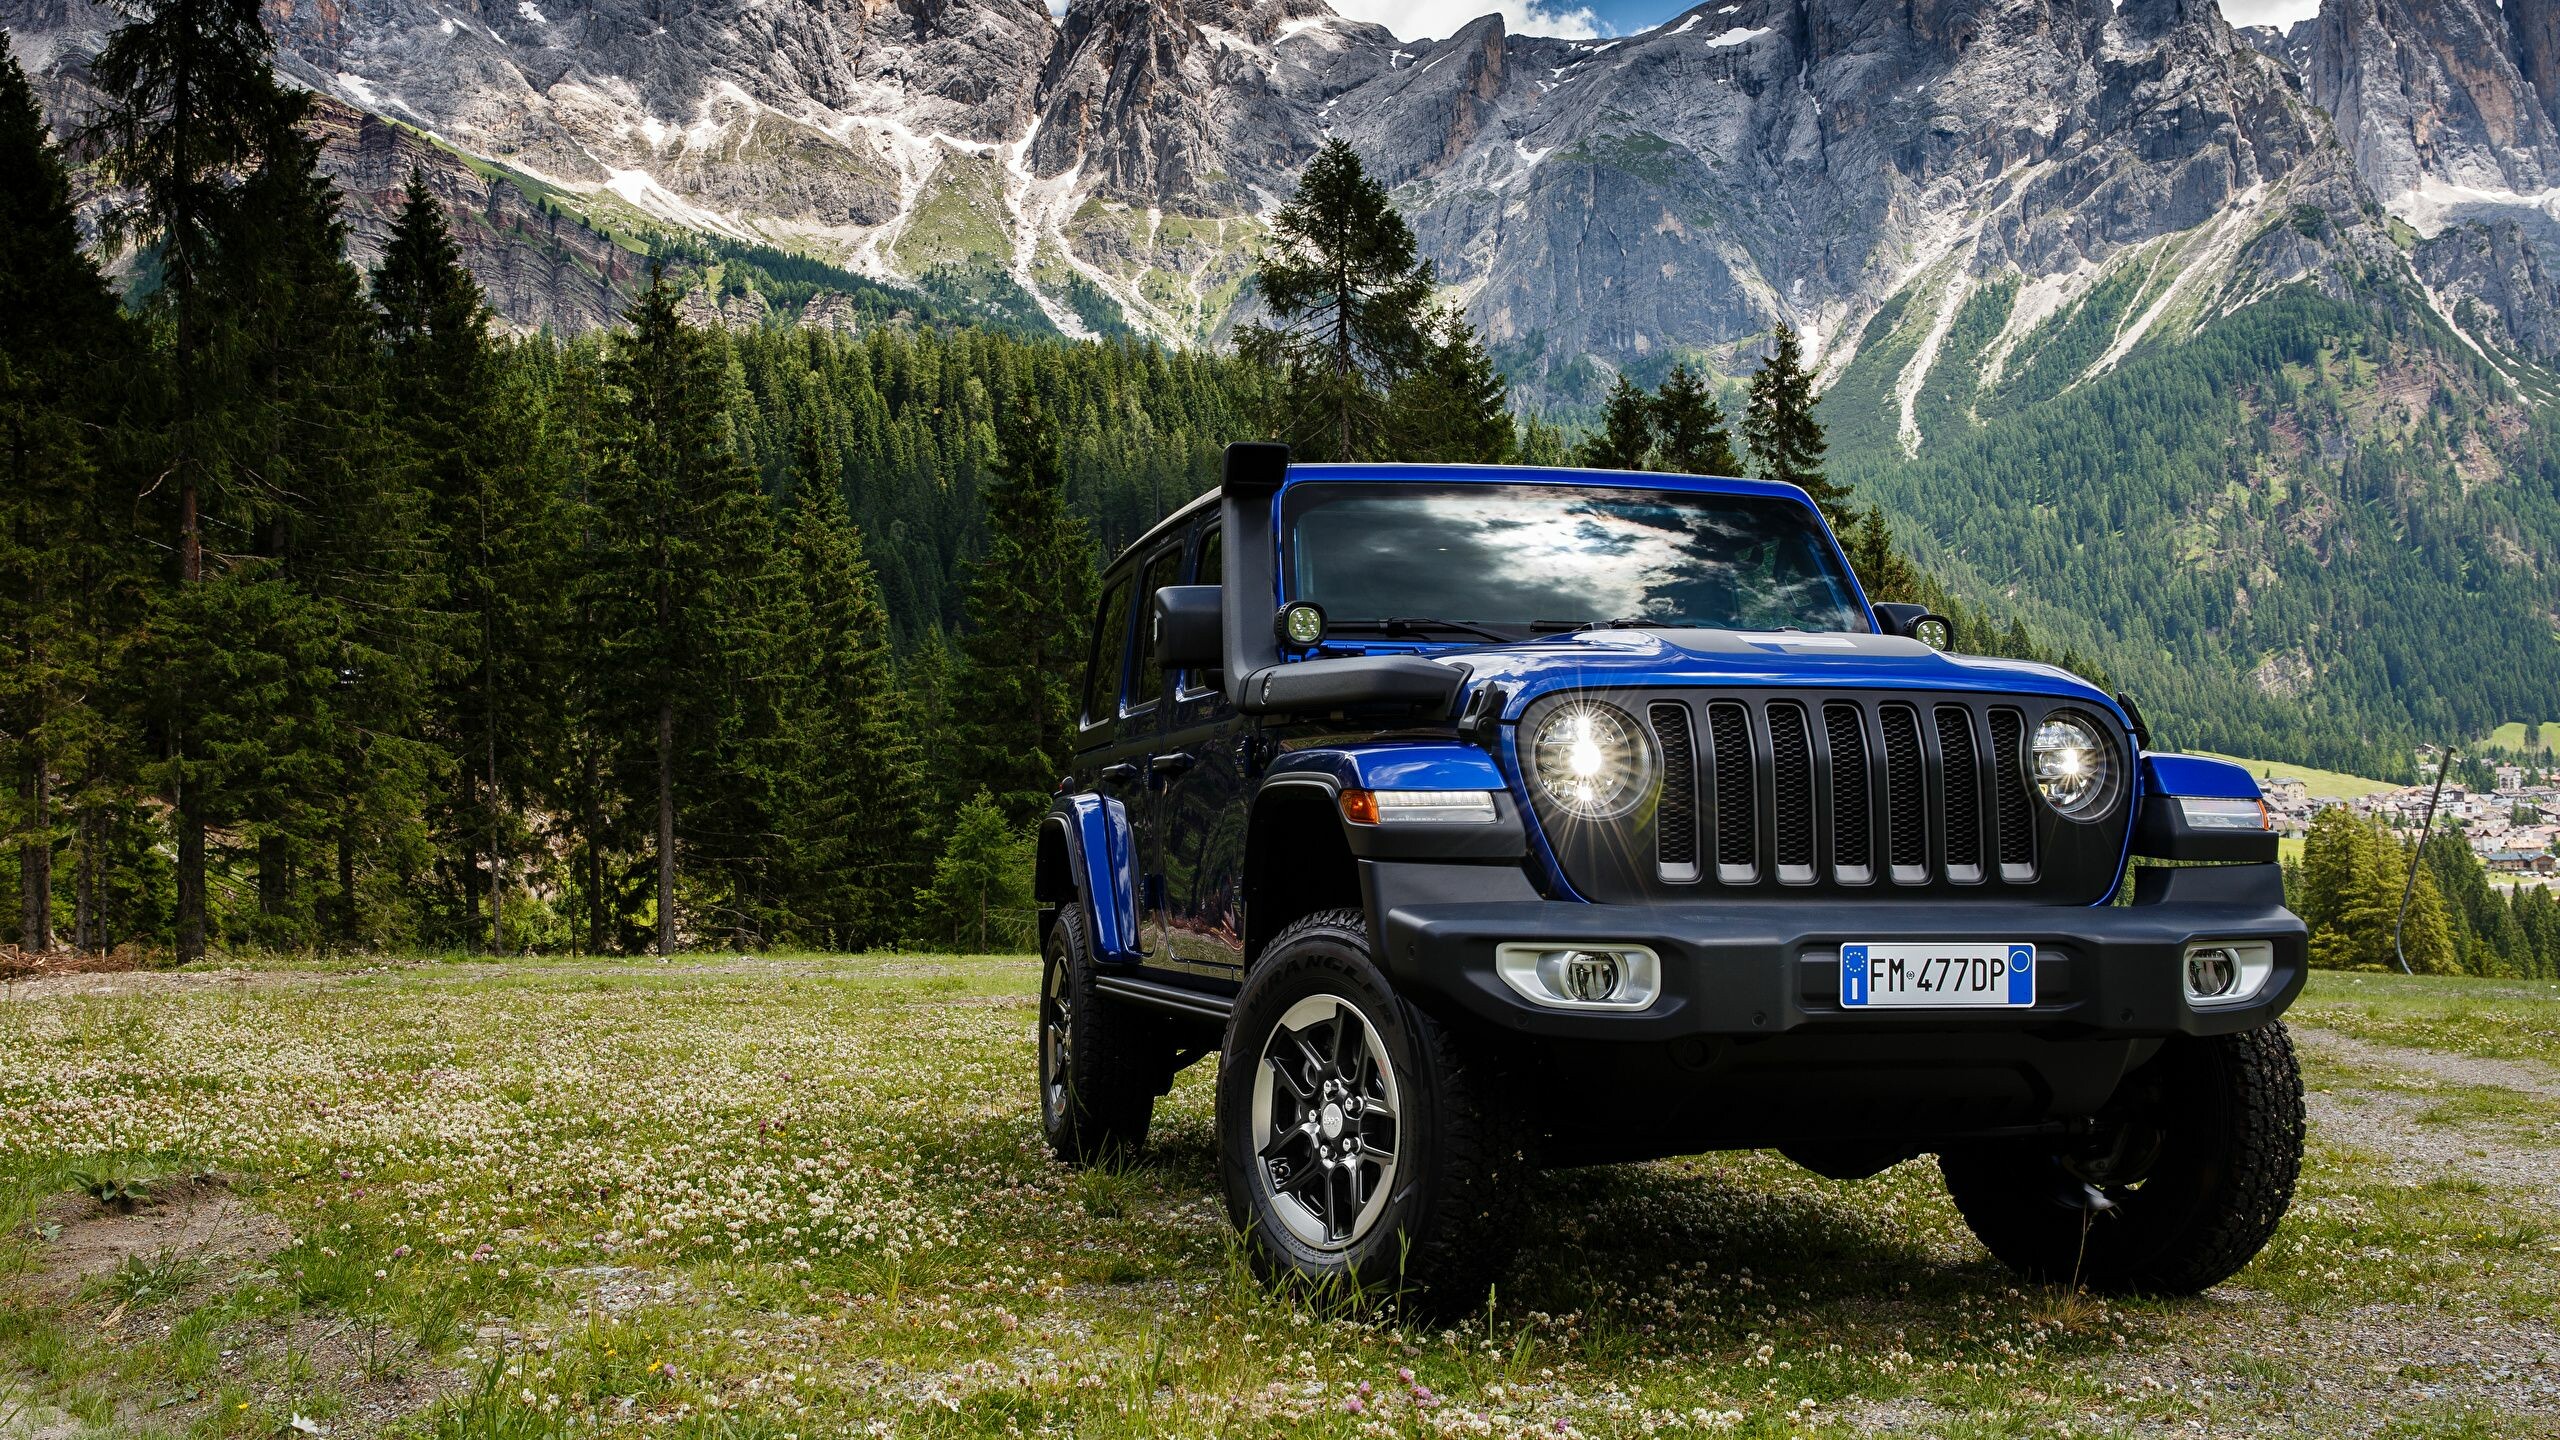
1297	859
1086	856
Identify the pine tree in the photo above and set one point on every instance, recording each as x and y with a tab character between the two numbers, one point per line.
676	502
62	343
2353	875
855	821
980	896
1690	437
189	103
1454	408
325	612
491	524
1350	301
1883	570
1023	653
1624	440
1785	439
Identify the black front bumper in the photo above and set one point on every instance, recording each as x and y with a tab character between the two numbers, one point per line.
1765	968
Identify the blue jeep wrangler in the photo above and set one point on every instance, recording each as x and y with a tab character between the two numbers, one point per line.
1481	819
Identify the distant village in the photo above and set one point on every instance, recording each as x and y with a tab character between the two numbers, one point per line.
2511	825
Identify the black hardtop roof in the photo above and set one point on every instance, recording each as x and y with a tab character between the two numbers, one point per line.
1179	519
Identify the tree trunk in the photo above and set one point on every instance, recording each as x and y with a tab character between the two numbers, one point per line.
275	876
347	873
35	861
84	912
469	865
594	823
666	828
497	850
190	878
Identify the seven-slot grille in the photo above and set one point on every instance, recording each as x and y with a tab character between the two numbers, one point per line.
1844	791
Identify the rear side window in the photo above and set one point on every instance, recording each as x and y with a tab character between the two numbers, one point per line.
1110	650
1148	682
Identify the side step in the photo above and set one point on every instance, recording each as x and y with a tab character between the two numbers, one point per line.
1171	999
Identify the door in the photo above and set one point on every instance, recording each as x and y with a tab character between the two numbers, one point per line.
1203	758
1142	716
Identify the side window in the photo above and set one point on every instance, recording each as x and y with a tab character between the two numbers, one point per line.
1209	571
1148	681
1110	647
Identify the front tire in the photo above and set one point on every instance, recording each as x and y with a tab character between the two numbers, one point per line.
2195	1159
1359	1142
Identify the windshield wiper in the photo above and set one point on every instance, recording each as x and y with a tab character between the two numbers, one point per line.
1633	622
1418	625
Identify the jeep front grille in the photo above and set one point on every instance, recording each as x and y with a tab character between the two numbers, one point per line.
1675	836
1875	793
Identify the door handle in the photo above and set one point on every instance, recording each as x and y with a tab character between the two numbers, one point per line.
1119	774
1165	767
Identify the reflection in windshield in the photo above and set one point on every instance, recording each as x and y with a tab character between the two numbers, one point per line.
1526	557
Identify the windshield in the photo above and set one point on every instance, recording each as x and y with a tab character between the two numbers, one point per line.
1520	559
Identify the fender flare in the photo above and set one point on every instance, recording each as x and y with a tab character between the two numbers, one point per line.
1101	852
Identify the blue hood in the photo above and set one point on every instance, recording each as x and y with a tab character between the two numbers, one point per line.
1643	658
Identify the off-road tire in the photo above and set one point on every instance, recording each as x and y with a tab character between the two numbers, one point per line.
1118	1058
2230	1127
1444	1231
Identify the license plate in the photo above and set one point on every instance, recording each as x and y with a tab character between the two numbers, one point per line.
1933	976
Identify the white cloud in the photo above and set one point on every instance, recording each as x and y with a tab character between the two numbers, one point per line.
1437	19
2279	13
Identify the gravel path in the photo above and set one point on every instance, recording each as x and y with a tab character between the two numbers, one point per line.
2523	1075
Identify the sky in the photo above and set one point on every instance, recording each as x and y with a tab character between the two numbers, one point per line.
1430	19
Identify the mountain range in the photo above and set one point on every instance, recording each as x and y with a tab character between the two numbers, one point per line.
2222	354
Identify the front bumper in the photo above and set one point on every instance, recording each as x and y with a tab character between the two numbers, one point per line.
1762	968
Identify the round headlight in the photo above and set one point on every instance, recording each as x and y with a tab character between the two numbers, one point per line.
2072	766
1591	759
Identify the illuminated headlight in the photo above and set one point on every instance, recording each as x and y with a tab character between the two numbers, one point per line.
2228	972
1591	760
2072	767
1419	807
1581	977
2205	814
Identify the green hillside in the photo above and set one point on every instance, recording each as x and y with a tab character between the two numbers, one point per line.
2520	737
2308	529
2323	784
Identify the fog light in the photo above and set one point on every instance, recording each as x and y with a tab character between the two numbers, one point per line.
1589	976
2227	972
2211	974
1581	977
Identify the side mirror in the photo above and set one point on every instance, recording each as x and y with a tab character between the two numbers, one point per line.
1188	625
1916	622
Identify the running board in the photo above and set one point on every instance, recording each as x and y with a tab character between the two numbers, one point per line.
1170	999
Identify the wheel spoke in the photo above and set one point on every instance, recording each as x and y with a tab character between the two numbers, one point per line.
1304	1092
1337	1215
1281	1140
1370	1149
1308	1055
1350	1048
1298	1180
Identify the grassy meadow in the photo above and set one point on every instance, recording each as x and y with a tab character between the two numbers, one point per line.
780	1199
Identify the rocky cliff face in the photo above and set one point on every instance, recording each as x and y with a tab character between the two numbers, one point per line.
2451	112
2430	98
1592	203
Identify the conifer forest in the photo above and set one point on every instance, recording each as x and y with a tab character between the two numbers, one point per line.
336	618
